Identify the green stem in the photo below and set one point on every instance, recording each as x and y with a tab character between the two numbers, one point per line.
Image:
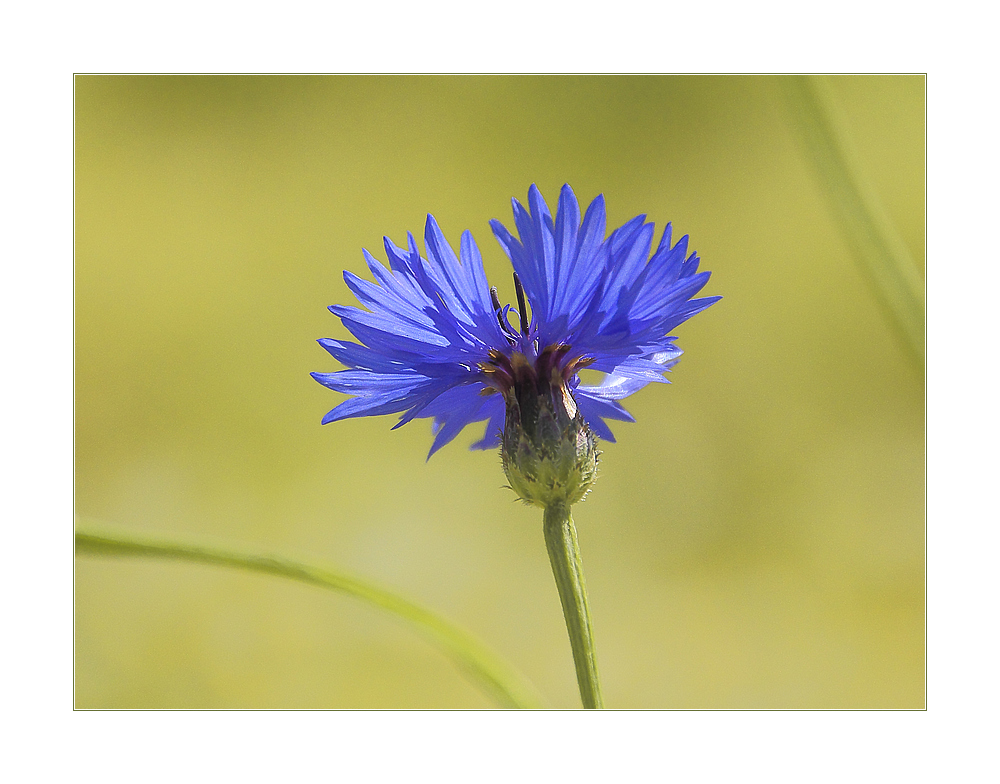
494	676
567	568
883	256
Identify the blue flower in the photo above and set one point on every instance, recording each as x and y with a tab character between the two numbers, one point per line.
434	340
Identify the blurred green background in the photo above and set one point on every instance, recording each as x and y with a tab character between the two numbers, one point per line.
756	539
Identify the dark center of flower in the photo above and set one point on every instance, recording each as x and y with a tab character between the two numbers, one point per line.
548	376
514	373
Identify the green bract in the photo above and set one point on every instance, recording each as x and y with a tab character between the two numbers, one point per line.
549	454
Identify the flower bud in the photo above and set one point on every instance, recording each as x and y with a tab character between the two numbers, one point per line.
549	454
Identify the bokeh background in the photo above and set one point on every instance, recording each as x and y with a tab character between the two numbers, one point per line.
756	539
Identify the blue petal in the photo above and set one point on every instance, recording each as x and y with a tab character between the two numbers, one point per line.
567	228
628	258
397	346
463	407
594	422
389	402
379	299
356	355
389	324
440	400
586	265
599	407
446	272
494	427
400	283
529	264
357	382
613	387
692	308
545	256
472	261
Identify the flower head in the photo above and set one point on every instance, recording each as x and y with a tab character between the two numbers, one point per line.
436	342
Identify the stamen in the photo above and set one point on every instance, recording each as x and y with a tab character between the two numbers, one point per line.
498	310
579	364
522	309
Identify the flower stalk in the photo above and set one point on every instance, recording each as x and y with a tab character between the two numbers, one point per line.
567	568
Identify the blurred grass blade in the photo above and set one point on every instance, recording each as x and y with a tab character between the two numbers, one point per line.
883	256
507	687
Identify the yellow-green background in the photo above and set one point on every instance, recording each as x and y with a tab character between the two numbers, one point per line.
756	539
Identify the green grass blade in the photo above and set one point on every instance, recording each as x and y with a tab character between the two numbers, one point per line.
882	255
507	687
